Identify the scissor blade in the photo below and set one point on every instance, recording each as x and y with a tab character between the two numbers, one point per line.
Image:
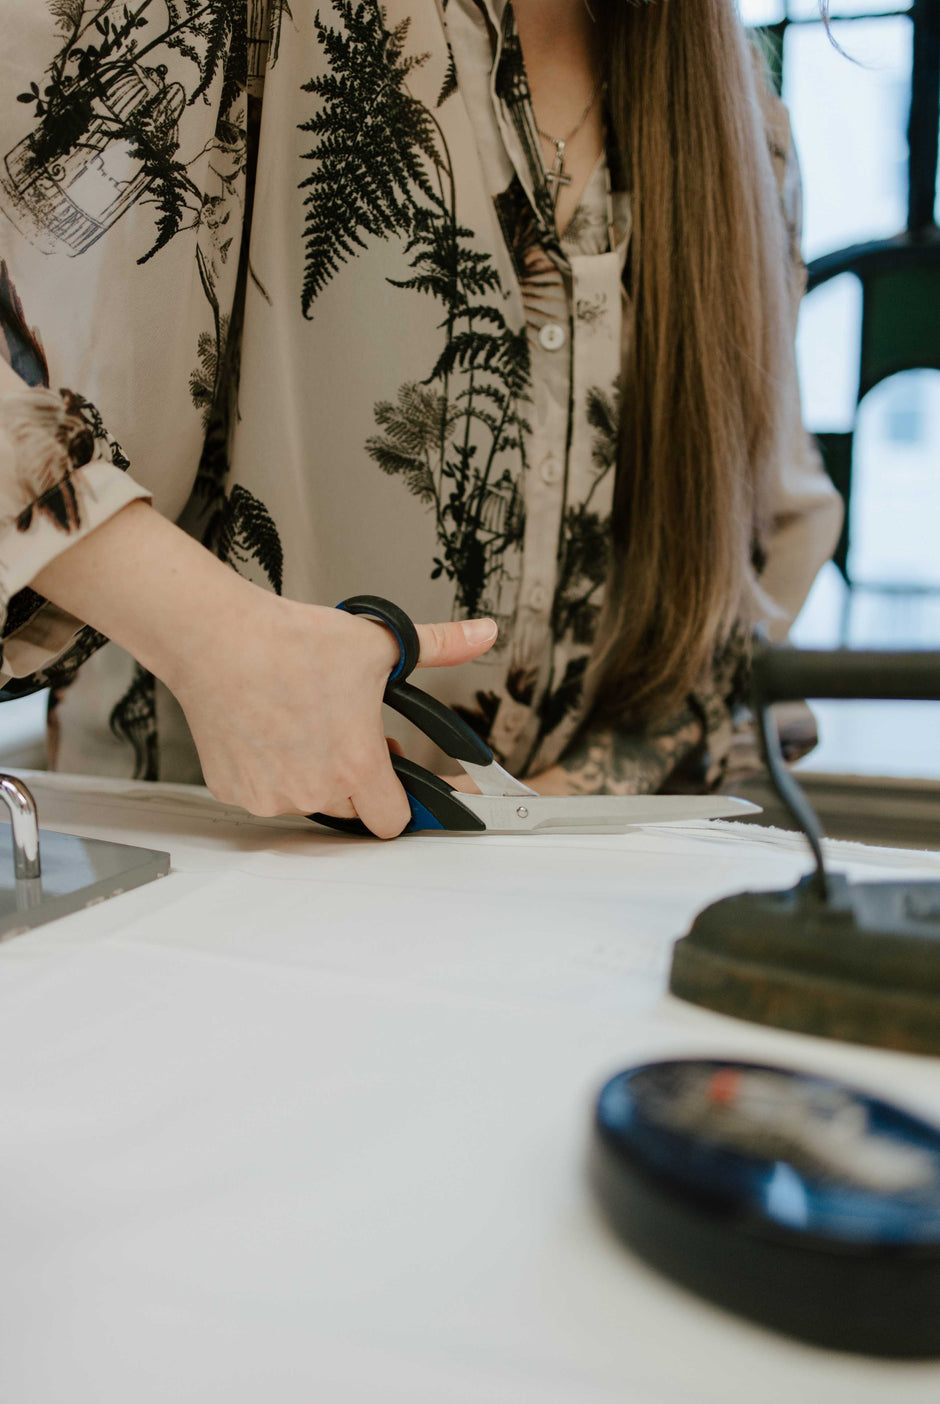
598	814
492	779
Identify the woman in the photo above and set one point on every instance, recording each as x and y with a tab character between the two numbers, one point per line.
488	308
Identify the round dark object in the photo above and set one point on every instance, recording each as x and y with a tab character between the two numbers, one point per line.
799	1202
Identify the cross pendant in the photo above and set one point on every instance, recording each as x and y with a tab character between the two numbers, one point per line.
557	175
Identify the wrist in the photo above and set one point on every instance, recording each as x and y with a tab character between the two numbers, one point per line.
183	642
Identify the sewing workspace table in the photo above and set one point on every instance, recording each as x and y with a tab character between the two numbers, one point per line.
306	1120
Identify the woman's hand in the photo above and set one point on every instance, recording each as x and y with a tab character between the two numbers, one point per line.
286	712
284	700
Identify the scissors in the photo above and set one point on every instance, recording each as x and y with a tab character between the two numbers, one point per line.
504	804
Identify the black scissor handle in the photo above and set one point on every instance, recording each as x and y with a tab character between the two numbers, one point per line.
395	619
434	804
445	728
449	732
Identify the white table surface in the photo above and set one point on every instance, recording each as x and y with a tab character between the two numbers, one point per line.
306	1120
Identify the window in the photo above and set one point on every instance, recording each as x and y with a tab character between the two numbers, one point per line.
866	125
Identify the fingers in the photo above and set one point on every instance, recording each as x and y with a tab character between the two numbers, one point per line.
282	806
446	645
382	805
338	808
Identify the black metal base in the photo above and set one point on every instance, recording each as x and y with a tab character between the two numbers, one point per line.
863	967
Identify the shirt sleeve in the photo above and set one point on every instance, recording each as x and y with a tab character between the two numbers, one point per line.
124	159
806	509
61	476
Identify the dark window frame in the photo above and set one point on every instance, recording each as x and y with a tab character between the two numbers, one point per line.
924	117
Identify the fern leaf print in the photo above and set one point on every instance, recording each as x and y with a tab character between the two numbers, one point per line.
134	720
383	170
247	533
373	143
303	259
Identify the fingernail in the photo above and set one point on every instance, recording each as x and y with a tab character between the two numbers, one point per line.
477	631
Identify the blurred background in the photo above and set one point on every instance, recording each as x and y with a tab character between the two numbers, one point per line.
866	127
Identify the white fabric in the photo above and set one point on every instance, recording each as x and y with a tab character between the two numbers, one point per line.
305	1122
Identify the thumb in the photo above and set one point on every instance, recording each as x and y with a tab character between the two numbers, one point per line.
444	645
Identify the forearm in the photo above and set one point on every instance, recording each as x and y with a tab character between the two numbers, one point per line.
144	583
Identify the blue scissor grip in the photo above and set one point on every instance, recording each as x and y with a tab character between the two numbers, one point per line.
434	804
421	818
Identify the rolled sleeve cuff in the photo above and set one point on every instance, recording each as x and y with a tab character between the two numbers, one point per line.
55	488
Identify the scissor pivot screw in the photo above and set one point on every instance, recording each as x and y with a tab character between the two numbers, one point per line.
522	812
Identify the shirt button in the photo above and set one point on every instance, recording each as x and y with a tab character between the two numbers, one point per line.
538	597
553	336
550	471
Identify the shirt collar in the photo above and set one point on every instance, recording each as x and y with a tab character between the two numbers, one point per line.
493	9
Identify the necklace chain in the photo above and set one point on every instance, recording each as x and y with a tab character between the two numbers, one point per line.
558	175
563	141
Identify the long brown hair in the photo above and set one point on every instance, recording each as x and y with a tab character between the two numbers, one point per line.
707	277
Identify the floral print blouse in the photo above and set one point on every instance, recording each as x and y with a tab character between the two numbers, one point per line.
297	266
